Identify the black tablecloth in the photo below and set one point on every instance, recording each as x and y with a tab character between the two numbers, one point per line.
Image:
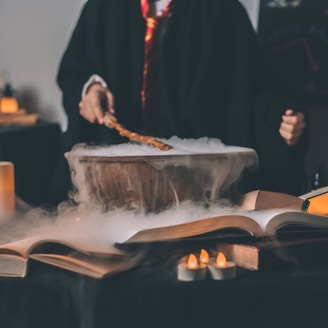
153	297
34	150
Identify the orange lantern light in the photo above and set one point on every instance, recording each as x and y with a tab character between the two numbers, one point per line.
8	102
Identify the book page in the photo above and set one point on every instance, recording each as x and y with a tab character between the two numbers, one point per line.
90	265
296	219
198	227
19	247
25	246
123	230
257	223
315	192
264	217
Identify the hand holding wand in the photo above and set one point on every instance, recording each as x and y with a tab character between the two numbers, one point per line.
111	122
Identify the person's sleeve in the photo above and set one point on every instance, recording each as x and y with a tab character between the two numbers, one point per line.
281	166
92	80
78	64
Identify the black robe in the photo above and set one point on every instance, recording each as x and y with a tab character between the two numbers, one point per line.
208	73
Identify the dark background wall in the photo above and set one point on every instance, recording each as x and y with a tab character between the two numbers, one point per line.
293	38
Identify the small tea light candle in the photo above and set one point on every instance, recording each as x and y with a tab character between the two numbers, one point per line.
221	269
7	190
190	270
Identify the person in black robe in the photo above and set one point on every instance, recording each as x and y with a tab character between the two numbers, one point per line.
208	83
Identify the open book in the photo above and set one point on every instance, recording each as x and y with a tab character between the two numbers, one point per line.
70	255
263	223
260	214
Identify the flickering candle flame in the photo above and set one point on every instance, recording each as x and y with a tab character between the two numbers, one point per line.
203	257
192	262
221	260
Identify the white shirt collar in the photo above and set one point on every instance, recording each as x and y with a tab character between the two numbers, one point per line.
161	5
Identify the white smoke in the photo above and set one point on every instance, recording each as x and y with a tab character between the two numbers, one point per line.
138	176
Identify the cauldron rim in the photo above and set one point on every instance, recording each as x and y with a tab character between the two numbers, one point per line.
250	154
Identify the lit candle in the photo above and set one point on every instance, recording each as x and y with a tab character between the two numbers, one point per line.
220	268
203	256
7	190
8	103
190	270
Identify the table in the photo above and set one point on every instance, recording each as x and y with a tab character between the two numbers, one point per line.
34	150
152	297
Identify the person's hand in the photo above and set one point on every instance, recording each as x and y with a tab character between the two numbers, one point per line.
93	103
292	126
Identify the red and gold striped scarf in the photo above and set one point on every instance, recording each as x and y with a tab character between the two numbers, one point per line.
151	63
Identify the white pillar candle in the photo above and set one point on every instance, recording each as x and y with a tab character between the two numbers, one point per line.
7	190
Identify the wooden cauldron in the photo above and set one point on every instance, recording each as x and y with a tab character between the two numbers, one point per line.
155	182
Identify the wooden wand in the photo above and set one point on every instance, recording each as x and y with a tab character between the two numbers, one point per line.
111	122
